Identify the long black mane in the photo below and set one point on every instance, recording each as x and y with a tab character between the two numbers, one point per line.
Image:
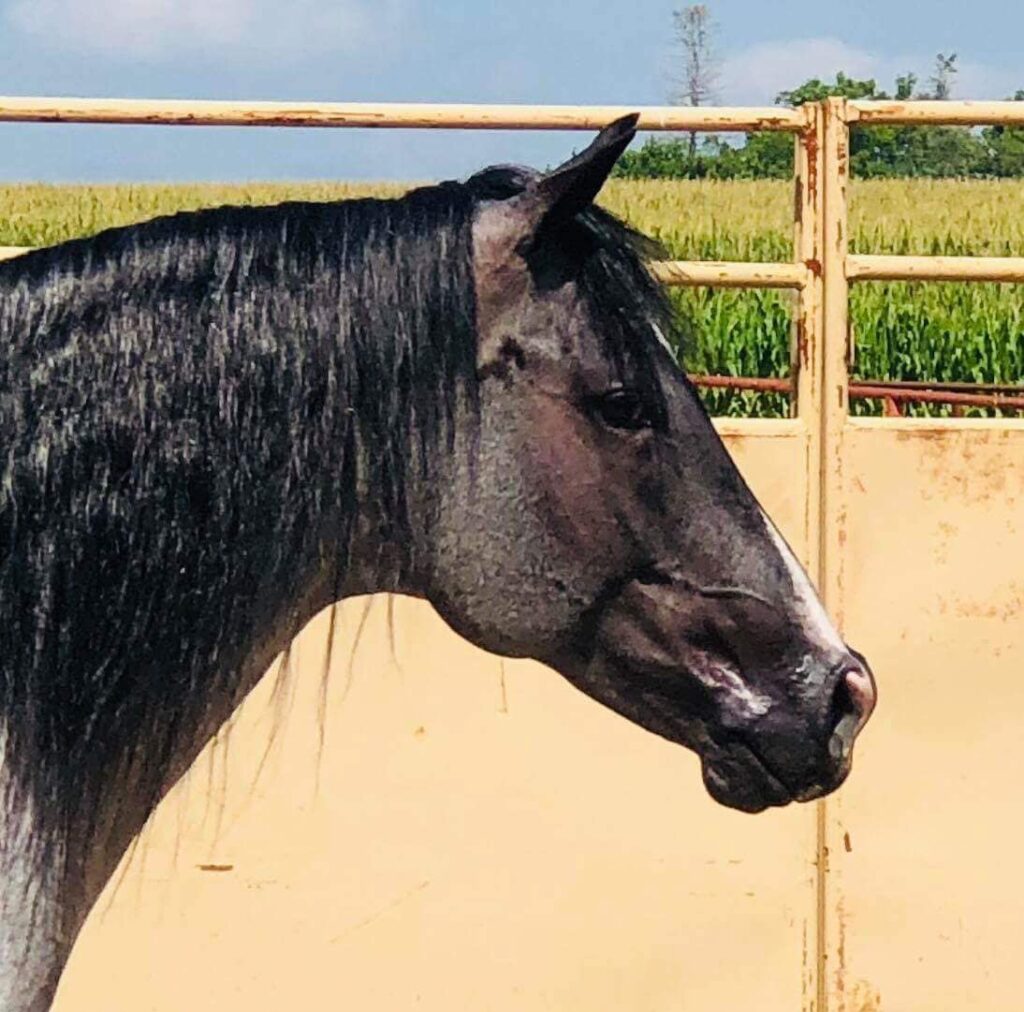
182	403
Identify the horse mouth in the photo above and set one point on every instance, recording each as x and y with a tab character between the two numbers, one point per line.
772	714
735	773
736	776
735	770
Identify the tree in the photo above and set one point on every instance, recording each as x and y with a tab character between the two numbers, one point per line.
694	34
942	79
1005	145
815	90
905	85
881	152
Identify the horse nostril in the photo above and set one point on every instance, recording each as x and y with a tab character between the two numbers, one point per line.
852	703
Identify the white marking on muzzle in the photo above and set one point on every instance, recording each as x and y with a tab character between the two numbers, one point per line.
723	682
817	625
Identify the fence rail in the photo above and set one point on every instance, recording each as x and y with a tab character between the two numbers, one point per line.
816	270
819	275
935	113
394	115
860	267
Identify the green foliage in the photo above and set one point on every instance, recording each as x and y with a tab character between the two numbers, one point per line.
877	152
958	332
815	90
1006	147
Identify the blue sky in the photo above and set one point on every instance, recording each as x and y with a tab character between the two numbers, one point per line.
447	51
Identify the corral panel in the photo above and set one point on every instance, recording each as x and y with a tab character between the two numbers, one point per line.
472	836
925	901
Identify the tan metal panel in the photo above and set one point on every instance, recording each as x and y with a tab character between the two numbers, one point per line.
479	839
925	899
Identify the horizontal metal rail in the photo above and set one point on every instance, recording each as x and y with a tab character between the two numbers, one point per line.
393	115
890	392
936	113
755	384
722	274
897	391
731	274
861	267
954	386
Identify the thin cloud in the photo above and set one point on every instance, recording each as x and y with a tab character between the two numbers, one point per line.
757	74
978	81
159	30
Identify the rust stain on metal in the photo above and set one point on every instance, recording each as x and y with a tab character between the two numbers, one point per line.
1008	607
865	997
807	974
810	139
801	338
841	955
892	394
503	707
761	384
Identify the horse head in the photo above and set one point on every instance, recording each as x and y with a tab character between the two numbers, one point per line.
598	523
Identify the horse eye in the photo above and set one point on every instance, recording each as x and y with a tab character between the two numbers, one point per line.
622	409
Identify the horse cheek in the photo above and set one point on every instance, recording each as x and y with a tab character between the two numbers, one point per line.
573	482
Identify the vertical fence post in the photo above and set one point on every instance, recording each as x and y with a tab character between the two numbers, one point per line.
808	313
835	359
807	355
834	411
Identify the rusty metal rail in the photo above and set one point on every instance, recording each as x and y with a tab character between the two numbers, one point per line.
860	267
819	275
891	392
821	270
935	113
393	115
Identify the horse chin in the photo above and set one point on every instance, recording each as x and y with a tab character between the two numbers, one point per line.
737	777
733	772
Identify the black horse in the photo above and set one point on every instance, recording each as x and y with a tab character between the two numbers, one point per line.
212	425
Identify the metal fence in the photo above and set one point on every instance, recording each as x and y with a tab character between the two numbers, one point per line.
829	477
818	129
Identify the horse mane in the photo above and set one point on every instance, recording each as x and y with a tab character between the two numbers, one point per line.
167	390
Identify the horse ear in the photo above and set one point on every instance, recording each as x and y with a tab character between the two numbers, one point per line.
512	224
505	229
564	192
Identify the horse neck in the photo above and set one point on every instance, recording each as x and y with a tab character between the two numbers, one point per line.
44	903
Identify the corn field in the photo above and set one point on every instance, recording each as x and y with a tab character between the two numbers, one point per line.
905	331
